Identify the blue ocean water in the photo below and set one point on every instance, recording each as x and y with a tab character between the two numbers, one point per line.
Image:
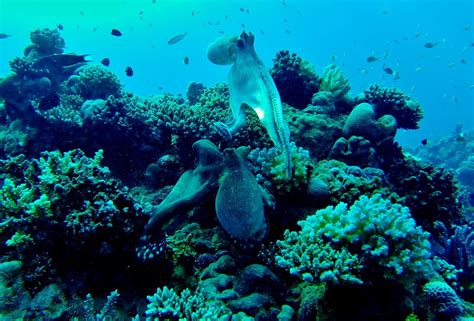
344	32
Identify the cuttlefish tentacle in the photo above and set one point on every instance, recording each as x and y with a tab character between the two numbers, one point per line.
251	85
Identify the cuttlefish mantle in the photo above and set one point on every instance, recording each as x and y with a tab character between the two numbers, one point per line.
251	85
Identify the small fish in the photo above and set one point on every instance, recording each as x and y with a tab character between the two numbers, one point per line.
221	32
82	13
248	12
287	31
424	142
396	74
129	71
455	99
472	44
386	54
438	58
186	60
284	3
417	35
471	87
413	88
105	62
177	38
4	36
451	65
285	20
115	33
385	12
333	58
60	27
242	10
261	31
243	26
418	69
396	41
363	71
298	12
388	70
95	29
371	59
430	45
140	13
160	88
467	27
463	61
153	1
445	95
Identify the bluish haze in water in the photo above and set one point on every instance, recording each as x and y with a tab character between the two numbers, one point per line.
323	32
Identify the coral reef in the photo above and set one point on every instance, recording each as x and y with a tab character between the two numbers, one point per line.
295	79
406	111
346	245
333	81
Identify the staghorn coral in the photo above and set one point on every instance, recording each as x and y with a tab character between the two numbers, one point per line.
333	243
407	112
333	81
295	79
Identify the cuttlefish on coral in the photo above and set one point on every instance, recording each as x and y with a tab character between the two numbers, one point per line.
239	201
251	86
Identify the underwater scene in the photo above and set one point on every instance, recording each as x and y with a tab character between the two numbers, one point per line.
270	160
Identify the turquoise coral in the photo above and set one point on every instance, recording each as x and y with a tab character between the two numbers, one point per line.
373	231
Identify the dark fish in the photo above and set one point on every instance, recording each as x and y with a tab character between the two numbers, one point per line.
63	60
371	59
243	26
153	1
95	29
186	60
242	9
287	31
385	12
388	70
129	71
141	12
463	61
417	35
177	38
60	27
82	13
160	88
424	142
4	36
261	31
472	44
284	3
248	12
430	44
116	33
105	62
221	32
396	41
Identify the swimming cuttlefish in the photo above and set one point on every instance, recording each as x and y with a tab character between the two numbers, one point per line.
251	86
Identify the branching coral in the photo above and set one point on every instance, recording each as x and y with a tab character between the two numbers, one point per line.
295	79
374	231
166	304
64	201
407	112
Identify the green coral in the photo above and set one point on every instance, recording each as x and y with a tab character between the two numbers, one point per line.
372	235
334	81
269	167
166	304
